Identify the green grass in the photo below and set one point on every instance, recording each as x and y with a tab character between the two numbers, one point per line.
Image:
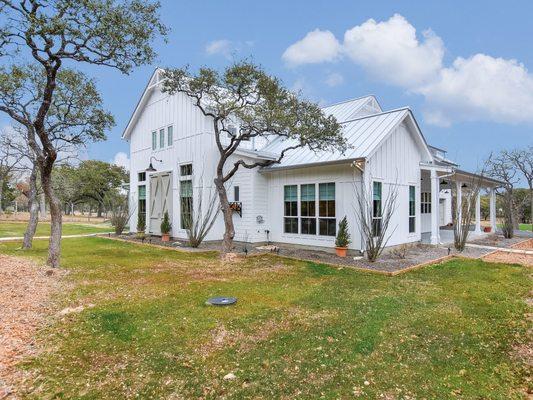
14	229
525	227
298	330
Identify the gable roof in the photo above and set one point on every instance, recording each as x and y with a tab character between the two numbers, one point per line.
154	80
346	110
363	135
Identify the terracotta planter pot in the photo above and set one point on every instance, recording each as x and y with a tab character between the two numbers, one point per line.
165	237
487	229
341	251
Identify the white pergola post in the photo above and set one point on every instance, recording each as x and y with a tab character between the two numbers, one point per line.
478	212
435	191
492	210
459	202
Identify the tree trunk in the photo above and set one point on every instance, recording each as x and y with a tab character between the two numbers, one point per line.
33	206
1	195
229	231
54	249
42	205
100	211
531	207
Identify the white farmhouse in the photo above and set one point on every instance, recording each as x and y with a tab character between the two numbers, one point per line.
302	199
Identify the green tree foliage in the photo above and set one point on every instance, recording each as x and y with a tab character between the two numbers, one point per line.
343	236
113	33
258	105
166	226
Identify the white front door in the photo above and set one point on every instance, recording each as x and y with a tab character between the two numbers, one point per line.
160	200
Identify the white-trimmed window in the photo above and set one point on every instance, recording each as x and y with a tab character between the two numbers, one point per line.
290	201
154	140
377	214
308	209
185	203
412	209
326	209
425	203
161	138
170	135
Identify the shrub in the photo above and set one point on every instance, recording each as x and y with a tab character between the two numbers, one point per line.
141	222
166	226
343	236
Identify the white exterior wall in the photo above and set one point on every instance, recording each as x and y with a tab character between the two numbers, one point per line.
345	178
193	142
397	163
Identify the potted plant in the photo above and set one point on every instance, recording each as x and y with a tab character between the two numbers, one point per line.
141	225
166	227
343	238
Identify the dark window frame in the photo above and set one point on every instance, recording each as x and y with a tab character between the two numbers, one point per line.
412	209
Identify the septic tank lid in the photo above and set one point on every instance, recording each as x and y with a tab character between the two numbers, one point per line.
221	301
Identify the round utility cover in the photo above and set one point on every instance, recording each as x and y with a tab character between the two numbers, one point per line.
221	301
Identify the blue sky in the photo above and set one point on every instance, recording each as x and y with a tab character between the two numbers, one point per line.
466	79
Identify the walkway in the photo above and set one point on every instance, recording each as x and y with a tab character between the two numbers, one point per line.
18	238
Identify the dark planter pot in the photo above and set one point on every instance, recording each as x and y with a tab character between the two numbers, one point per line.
341	251
165	237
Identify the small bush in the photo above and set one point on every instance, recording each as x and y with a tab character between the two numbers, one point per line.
400	251
166	226
343	236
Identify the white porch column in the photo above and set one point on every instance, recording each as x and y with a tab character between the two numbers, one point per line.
435	191
459	202
478	212
492	210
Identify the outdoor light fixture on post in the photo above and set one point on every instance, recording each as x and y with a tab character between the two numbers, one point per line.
151	167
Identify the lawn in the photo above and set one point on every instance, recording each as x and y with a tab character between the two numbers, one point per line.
11	229
525	227
298	330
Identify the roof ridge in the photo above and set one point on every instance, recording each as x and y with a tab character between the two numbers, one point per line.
349	100
377	114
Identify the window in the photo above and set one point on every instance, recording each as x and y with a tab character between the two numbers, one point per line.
412	208
326	209
185	203
308	209
161	138
232	131
170	135
425	203
236	194
186	169
154	140
376	208
290	198
141	176
142	199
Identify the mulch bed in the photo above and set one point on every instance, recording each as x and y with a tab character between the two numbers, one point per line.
26	291
513	258
389	263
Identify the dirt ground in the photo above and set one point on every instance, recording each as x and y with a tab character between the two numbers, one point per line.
26	290
513	258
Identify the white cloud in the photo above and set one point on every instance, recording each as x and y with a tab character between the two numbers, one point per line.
391	51
479	87
316	47
223	47
122	160
334	79
226	48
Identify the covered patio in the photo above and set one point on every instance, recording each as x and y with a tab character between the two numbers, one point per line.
443	185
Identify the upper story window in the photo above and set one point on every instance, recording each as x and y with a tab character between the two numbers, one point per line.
159	136
186	169
236	193
141	176
154	140
170	135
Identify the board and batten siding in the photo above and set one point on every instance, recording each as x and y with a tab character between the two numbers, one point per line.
345	178
396	163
